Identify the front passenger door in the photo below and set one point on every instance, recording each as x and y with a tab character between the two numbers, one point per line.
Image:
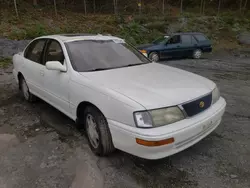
56	82
173	47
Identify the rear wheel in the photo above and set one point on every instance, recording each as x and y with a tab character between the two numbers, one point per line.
98	133
25	90
197	54
154	56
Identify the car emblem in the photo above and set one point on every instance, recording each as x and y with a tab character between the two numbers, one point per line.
202	104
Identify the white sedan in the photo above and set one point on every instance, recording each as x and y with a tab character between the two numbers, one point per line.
122	99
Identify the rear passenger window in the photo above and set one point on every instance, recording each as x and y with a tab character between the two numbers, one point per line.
186	39
200	38
194	41
34	51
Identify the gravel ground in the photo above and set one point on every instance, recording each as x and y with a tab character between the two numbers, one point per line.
40	147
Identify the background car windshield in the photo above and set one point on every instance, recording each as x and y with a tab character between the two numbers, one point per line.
161	40
91	55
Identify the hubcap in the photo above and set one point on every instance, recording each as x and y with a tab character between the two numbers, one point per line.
197	54
155	57
92	131
25	90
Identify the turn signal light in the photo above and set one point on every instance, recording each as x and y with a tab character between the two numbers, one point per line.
143	51
154	143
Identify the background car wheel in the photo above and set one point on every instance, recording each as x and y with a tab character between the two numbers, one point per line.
25	91
197	54
154	56
98	132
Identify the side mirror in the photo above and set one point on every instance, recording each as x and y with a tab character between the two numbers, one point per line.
55	65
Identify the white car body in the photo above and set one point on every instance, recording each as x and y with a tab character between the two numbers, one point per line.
118	93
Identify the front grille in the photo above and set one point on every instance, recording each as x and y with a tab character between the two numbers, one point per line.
198	106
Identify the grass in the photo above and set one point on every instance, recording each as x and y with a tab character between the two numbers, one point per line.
35	22
5	62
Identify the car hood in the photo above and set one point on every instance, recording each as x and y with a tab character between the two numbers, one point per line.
153	85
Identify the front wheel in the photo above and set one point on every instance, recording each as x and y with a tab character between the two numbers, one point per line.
25	91
154	56
98	133
197	54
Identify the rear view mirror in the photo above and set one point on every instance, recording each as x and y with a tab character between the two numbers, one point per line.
55	65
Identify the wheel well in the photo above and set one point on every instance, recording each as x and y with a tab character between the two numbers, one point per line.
19	76
81	108
157	52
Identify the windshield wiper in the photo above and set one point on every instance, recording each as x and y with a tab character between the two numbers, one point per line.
131	65
98	69
101	69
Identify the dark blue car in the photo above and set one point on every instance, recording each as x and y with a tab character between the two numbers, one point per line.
177	45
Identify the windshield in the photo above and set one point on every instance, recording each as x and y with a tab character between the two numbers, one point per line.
94	55
161	40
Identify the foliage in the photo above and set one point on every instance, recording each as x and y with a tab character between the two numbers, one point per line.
136	29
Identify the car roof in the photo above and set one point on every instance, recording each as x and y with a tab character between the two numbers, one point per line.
80	36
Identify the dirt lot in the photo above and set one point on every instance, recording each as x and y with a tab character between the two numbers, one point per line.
40	147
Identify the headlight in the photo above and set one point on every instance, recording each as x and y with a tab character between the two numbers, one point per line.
215	95
158	117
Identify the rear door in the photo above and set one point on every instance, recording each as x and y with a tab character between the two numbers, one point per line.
187	47
33	69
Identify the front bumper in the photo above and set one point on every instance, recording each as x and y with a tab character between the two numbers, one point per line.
185	133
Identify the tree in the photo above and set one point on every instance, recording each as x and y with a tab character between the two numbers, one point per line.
245	5
219	4
55	7
241	1
201	6
34	2
94	6
85	7
204	6
139	6
181	6
163	6
15	5
115	6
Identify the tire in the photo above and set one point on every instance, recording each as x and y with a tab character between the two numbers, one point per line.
104	145
25	91
197	54
154	56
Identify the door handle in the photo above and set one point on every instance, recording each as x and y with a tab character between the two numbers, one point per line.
41	72
178	46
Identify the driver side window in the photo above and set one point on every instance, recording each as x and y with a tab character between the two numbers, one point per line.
54	52
175	40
